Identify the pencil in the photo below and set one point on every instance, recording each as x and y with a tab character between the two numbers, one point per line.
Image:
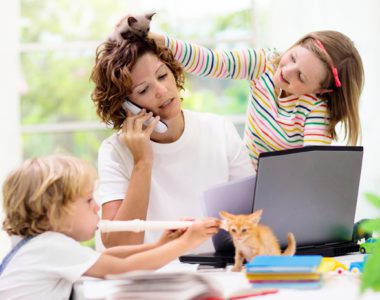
253	294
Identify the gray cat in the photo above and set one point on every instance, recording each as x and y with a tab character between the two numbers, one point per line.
137	24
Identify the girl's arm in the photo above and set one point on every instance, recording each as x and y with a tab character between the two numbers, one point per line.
136	201
245	64
151	257
316	131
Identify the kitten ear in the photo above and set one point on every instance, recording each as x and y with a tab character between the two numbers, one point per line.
149	16
225	215
131	21
256	216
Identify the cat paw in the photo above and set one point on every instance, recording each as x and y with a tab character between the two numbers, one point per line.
236	269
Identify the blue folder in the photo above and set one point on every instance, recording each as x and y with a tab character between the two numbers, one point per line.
284	264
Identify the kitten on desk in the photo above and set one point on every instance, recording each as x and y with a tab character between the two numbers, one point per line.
251	238
137	24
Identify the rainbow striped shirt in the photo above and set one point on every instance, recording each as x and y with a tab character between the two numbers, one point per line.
273	123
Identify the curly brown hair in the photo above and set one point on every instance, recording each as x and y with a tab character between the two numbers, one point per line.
112	74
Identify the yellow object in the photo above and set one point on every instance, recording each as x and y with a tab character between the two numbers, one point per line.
330	264
283	276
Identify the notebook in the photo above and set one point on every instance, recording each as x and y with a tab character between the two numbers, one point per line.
284	264
310	191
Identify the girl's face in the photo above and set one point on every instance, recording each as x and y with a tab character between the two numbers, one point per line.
82	223
154	87
300	72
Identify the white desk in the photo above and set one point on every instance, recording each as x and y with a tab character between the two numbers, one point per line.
345	286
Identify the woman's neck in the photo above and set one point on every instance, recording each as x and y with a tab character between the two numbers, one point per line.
175	130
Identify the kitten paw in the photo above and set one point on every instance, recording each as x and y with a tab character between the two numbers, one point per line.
236	269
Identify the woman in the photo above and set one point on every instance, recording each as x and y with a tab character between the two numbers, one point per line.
149	175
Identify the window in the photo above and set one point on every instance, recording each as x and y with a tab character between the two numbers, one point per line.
59	39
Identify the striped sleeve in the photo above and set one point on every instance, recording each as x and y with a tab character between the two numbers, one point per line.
246	64
316	131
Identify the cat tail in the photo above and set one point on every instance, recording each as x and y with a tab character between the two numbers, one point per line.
291	249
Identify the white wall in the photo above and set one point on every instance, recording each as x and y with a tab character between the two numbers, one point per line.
10	151
291	19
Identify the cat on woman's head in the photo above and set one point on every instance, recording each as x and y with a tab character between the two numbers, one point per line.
251	238
136	24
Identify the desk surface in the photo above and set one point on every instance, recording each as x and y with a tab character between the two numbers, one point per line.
344	286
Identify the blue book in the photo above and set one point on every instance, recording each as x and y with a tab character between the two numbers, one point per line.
284	264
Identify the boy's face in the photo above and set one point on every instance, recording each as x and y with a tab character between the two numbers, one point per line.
82	223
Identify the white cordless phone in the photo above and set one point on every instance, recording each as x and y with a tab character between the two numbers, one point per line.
161	127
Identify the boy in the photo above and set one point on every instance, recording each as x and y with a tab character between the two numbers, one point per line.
49	209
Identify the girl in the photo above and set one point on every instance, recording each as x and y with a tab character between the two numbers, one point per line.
49	209
156	176
297	98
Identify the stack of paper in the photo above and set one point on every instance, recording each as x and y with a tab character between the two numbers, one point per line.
284	271
148	285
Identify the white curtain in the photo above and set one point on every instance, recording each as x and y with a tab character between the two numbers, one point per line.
10	150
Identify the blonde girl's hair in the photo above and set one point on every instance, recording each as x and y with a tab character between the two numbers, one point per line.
40	193
343	101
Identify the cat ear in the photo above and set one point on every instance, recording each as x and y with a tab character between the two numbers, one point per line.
225	215
149	16
131	21
256	216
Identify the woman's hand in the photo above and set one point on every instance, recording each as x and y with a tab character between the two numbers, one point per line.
136	136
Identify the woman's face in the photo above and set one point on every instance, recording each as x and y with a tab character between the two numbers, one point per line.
154	87
300	72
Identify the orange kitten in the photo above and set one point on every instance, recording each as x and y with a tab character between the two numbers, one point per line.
251	238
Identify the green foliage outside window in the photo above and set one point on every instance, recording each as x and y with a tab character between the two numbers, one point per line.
371	275
56	85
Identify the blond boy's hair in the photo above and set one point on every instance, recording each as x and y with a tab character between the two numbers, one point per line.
39	193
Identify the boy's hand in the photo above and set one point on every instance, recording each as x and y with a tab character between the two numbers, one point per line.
169	235
201	231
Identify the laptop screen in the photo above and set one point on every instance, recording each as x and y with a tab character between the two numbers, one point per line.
311	191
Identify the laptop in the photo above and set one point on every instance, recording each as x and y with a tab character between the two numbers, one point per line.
310	191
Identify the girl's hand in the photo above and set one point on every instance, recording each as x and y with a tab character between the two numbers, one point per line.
136	136
201	230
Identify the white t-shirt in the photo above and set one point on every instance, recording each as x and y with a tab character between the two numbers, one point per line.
45	268
208	153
